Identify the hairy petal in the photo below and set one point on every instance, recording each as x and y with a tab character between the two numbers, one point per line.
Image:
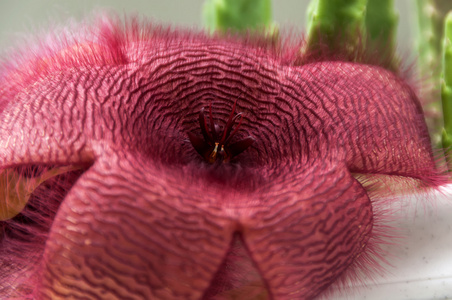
312	225
118	235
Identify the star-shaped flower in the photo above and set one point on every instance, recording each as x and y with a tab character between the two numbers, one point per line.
210	164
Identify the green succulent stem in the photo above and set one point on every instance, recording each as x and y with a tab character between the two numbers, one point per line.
446	87
430	31
335	23
430	17
351	25
237	15
382	20
381	26
430	20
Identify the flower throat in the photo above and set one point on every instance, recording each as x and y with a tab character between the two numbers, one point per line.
215	145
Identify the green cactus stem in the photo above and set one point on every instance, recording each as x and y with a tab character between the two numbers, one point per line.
335	23
428	44
381	26
431	14
430	31
237	15
446	87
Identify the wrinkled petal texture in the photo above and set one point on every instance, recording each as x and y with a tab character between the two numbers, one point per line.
150	219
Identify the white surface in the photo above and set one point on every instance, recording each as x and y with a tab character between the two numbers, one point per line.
422	262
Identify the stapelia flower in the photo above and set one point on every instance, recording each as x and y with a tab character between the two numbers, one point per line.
209	166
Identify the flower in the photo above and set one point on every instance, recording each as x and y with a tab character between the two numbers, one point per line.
165	209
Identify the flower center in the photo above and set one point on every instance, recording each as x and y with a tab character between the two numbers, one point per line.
215	145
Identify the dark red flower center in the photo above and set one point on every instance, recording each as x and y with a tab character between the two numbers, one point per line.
216	145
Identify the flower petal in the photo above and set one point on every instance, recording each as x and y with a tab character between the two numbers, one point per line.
122	236
312	225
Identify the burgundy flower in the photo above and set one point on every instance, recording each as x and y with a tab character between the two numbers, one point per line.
210	166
